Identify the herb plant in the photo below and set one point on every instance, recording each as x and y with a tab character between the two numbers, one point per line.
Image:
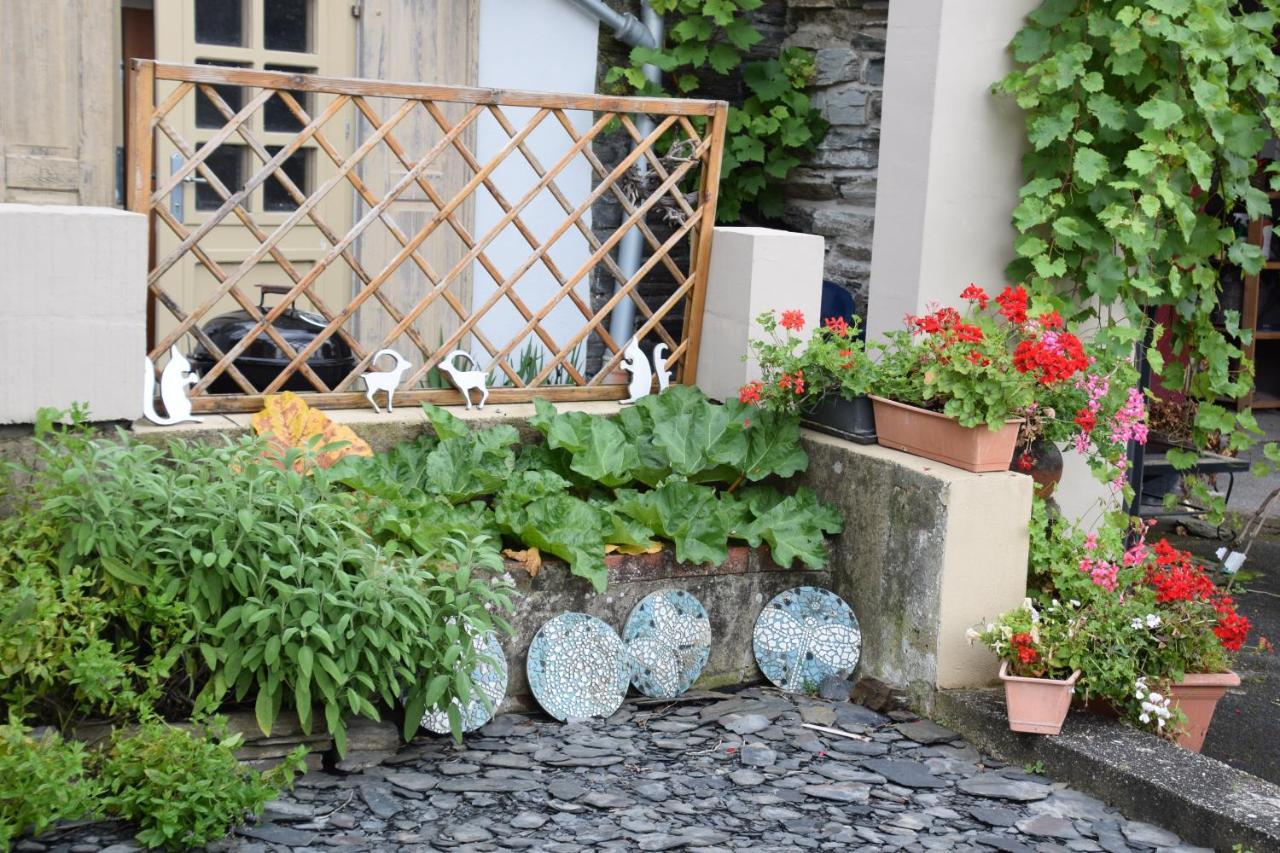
184	788
42	780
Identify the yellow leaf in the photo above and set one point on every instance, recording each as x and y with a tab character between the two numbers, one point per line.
287	422
651	548
530	559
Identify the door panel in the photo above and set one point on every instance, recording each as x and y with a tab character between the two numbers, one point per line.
315	36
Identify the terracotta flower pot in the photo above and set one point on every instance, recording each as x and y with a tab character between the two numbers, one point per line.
1037	705
1197	695
936	436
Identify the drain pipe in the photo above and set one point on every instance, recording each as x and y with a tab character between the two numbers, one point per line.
646	32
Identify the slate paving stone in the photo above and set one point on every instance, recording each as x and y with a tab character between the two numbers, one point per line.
911	774
926	732
721	774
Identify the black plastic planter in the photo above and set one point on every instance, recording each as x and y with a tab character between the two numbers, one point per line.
853	420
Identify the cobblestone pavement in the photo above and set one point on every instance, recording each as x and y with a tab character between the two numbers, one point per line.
719	774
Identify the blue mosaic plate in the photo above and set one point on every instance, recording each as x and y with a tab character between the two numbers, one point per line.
668	637
577	667
804	635
490	678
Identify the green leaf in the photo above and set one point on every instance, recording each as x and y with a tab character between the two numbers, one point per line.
795	528
1090	166
723	57
1140	161
765	79
1161	113
264	710
743	35
688	515
600	451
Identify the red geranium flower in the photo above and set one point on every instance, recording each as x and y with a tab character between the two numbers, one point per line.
975	294
1013	304
793	320
750	393
1025	647
1051	320
1086	420
838	325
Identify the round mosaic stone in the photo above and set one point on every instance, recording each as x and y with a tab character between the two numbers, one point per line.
577	667
668	638
489	677
804	635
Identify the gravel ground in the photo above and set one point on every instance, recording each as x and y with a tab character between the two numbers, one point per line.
719	773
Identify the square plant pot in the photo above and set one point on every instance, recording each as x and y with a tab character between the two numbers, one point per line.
938	437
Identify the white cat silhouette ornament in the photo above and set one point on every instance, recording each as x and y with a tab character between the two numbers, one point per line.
174	379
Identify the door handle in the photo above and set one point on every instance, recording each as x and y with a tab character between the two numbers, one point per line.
177	198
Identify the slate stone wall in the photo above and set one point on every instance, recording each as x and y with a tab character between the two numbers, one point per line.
833	194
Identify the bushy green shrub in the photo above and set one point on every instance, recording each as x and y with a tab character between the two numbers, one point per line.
263	581
42	780
185	788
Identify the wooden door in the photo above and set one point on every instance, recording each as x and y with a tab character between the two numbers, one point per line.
420	41
292	36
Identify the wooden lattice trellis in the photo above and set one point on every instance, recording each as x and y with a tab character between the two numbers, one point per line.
694	129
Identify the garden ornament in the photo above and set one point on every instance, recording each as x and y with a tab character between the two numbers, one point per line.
660	367
805	635
488	682
577	668
668	637
174	379
385	380
466	380
637	365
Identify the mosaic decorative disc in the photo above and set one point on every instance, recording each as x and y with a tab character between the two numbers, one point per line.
804	635
668	637
488	678
577	667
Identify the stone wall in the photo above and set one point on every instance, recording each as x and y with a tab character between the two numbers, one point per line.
834	194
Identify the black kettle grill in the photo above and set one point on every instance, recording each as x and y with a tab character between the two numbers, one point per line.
262	360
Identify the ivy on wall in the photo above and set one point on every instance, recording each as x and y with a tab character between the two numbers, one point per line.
770	132
1145	122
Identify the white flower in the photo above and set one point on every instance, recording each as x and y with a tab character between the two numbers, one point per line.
1136	623
1155	697
1055	603
1144	717
1074	603
1153	621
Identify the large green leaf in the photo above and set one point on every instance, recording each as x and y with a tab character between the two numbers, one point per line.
563	525
773	444
794	528
600	450
687	514
473	465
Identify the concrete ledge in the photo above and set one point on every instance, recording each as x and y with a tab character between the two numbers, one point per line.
927	552
1199	798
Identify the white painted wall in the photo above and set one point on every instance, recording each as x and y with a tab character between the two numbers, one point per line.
540	45
950	156
73	326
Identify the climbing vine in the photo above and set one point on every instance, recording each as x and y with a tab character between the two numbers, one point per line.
1145	122
770	131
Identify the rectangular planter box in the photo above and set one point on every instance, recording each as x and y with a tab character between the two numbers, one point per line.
853	420
938	437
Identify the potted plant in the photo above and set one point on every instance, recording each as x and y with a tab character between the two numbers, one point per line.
1033	648
824	378
1096	413
955	387
1203	631
1158	637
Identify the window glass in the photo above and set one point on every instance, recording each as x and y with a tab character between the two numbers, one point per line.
286	24
274	196
207	115
227	162
220	21
276	114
